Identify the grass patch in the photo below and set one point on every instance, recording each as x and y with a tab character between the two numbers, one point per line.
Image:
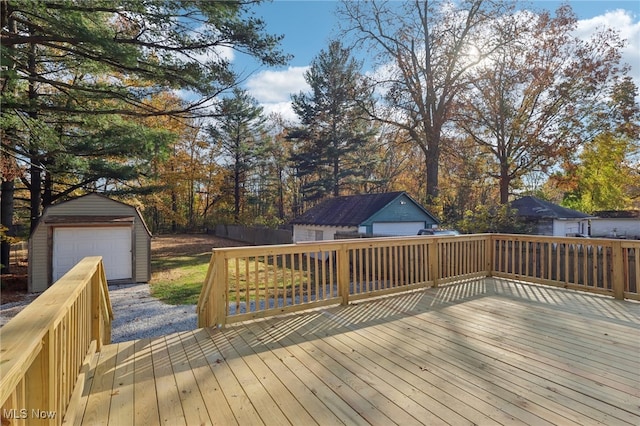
251	279
178	280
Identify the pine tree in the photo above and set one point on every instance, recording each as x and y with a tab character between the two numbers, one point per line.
238	132
74	72
334	126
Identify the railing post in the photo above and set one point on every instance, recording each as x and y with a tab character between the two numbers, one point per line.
218	294
40	389
101	313
617	270
343	274
490	253
96	310
434	260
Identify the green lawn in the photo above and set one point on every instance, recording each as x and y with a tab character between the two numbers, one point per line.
178	280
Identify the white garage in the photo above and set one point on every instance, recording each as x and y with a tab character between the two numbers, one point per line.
92	225
70	245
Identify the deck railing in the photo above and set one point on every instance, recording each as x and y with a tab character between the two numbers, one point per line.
596	265
47	350
252	282
48	347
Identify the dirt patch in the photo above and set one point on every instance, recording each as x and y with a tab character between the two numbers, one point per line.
187	244
13	286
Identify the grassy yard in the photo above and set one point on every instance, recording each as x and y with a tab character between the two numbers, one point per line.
180	262
178	280
179	266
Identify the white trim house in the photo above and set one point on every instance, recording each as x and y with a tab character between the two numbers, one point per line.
386	214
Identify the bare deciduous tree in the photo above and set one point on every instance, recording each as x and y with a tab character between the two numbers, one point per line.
424	50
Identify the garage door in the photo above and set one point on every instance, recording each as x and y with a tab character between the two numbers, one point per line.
70	245
397	228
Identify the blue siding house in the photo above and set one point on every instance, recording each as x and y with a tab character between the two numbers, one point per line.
386	214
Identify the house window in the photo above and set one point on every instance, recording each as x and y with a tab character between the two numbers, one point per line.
319	235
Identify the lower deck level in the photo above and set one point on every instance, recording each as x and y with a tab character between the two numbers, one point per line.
483	352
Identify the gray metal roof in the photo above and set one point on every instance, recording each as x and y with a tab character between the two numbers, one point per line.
350	210
535	208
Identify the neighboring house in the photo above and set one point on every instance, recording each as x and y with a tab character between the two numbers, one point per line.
551	219
616	224
388	214
91	225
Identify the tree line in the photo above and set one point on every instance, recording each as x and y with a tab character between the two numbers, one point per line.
466	107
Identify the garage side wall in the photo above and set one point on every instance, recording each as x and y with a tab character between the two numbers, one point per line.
303	233
89	205
38	260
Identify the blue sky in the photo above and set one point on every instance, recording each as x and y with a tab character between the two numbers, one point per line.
308	25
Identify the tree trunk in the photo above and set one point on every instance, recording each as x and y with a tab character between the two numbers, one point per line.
47	193
35	193
433	165
35	170
6	218
174	210
280	194
505	181
237	172
336	178
7	186
236	194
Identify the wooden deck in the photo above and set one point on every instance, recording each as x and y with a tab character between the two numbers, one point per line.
488	351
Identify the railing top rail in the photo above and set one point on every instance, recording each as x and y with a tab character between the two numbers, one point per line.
21	338
558	239
630	244
329	245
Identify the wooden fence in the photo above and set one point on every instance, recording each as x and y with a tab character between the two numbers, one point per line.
252	282
48	347
254	235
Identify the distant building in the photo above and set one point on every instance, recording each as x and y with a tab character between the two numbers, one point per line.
387	214
551	219
91	225
616	224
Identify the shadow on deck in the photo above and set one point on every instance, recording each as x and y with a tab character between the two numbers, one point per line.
485	351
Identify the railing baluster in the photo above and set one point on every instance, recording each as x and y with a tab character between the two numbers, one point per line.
381	266
45	345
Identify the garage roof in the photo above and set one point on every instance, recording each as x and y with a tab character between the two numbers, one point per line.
535	208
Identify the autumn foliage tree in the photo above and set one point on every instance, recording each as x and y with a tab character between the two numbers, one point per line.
605	174
529	102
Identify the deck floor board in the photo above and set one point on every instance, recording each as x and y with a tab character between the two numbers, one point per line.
485	352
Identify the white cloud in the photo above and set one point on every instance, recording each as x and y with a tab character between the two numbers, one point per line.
284	109
623	22
277	86
273	89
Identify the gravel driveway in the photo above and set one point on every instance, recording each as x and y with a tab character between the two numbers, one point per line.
137	315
